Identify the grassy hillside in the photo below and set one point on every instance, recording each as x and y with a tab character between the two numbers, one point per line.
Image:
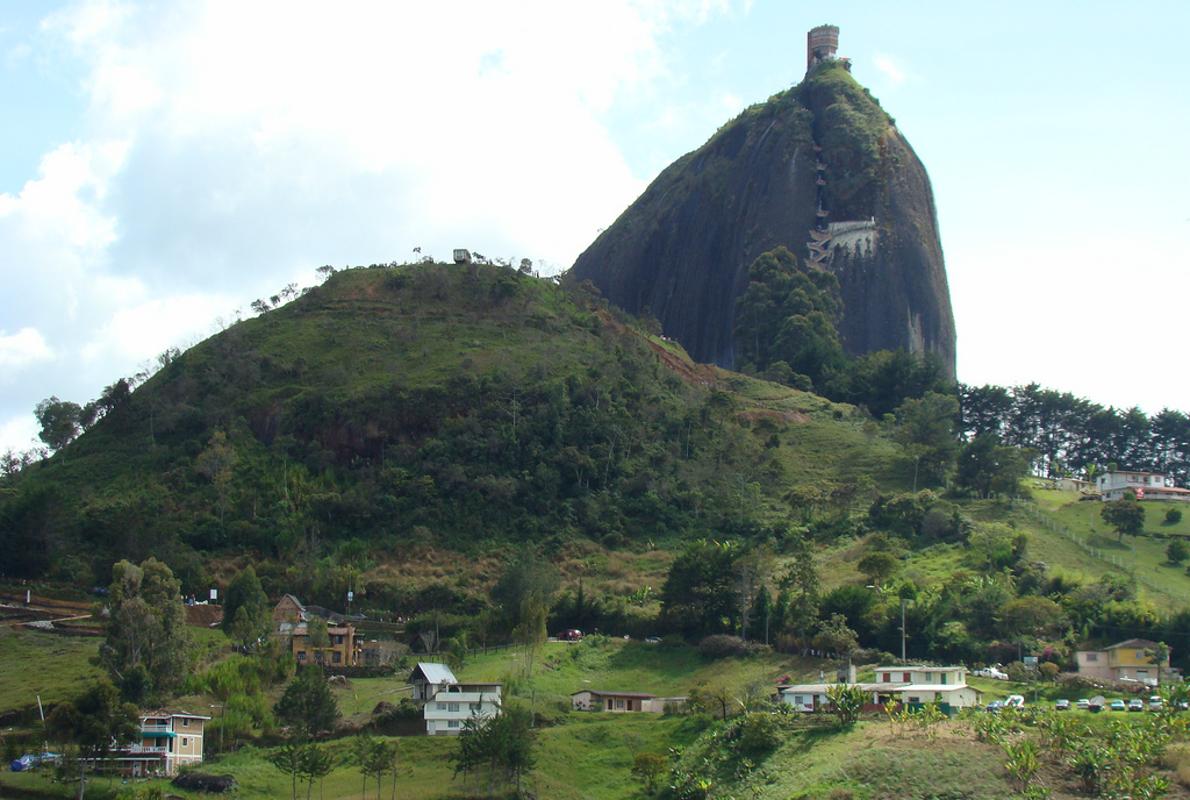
437	405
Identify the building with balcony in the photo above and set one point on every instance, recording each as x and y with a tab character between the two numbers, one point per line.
451	707
168	740
1145	485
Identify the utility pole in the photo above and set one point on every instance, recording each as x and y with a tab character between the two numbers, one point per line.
903	660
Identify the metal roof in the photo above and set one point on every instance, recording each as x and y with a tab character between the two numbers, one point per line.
433	673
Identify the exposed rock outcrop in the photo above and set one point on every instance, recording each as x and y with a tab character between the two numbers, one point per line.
787	172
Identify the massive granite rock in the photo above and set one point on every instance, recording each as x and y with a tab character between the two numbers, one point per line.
681	251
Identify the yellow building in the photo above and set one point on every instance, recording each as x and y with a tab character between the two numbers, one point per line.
168	740
293	622
1127	660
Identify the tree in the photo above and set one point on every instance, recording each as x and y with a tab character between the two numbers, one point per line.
319	637
59	421
1032	616
925	426
834	636
146	626
1158	654
1126	515
245	609
1177	551
847	701
649	767
877	566
988	467
503	745
307	704
1173	516
217	463
789	313
94	722
315	765
288	759
699	595
525	593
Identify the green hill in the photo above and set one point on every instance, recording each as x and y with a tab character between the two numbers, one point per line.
441	405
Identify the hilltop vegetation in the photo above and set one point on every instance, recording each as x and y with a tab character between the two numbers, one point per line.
428	404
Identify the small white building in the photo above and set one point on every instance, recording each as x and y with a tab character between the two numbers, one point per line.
429	678
449	708
623	702
1145	485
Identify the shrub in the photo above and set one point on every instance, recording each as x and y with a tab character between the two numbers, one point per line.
1173	516
759	734
721	645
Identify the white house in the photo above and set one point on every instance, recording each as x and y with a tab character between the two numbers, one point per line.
1145	485
449	708
427	679
908	685
623	702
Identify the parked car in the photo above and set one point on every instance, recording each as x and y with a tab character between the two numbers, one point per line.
1118	705
991	672
652	640
1014	701
1156	703
1062	705
1083	704
1098	703
995	706
1136	704
571	635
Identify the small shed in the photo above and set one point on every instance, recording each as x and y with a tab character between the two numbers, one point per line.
619	702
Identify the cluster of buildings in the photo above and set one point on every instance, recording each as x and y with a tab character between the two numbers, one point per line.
1130	660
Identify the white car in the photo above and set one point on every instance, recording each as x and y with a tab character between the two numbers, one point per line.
991	672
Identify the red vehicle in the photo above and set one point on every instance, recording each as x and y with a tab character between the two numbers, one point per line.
571	635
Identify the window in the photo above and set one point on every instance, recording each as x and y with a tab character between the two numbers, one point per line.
619	704
337	657
475	708
1092	657
452	707
301	655
442	706
1140	654
888	677
185	742
943	678
905	677
454	723
185	722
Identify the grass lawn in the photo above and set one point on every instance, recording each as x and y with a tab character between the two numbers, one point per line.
1163	583
54	666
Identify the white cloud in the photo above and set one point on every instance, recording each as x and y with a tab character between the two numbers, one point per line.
226	147
26	346
890	68
19	433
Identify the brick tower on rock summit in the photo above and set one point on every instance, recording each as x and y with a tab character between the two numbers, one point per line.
822	43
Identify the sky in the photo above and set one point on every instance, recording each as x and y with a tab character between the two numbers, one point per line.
164	164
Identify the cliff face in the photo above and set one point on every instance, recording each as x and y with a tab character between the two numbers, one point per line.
682	250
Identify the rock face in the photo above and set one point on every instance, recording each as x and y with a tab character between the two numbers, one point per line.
820	169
